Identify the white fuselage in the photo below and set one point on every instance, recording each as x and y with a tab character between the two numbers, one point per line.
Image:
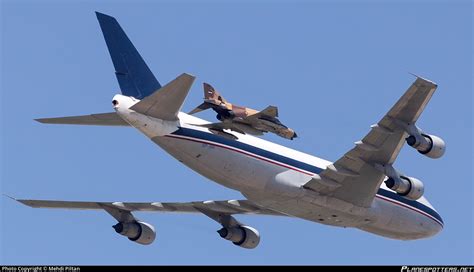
272	176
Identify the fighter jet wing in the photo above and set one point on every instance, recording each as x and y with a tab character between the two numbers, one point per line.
355	178
270	111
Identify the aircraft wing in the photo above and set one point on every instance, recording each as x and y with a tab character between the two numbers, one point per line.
121	209
355	178
99	119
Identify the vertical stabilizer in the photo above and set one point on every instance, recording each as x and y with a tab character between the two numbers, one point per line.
211	94
134	76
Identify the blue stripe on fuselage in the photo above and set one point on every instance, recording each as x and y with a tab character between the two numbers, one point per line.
246	147
292	162
414	204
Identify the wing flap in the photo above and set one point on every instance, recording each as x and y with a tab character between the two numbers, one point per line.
99	119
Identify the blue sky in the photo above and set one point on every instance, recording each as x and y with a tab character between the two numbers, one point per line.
333	68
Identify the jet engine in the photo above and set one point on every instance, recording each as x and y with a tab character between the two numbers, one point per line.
429	145
242	236
408	187
138	232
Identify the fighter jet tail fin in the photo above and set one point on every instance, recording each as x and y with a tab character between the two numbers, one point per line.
211	97
211	94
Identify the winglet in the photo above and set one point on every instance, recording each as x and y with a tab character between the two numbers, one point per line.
134	76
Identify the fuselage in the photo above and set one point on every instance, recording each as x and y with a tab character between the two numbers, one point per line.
273	176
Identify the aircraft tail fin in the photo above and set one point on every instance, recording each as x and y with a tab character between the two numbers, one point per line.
166	103
134	76
211	97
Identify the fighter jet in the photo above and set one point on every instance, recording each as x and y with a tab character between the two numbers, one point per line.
241	119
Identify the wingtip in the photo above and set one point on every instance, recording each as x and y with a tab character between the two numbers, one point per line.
22	201
188	75
39	120
424	79
10	197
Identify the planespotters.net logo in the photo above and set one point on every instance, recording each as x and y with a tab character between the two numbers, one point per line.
437	268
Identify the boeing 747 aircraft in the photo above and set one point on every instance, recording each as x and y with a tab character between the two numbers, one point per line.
361	190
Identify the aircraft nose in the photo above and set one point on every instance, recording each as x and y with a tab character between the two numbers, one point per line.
432	228
439	225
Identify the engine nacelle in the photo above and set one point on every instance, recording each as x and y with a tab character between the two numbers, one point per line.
408	187
242	236
429	145
138	232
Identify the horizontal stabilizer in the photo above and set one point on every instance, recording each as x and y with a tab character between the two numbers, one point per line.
99	119
166	103
203	106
